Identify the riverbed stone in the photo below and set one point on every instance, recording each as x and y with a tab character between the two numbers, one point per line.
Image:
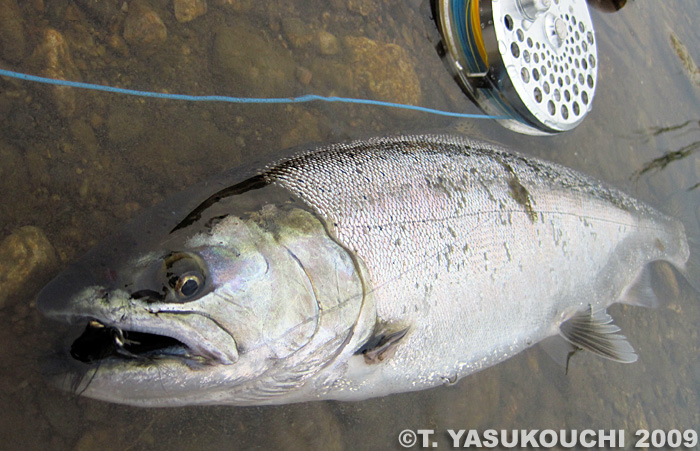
297	32
327	43
52	56
13	38
27	259
385	70
187	10
237	6
363	7
143	27
250	64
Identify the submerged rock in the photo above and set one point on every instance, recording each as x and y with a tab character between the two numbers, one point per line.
143	27
238	6
52	56
297	32
187	10
103	12
385	70
363	7
13	40
327	43
26	262
249	64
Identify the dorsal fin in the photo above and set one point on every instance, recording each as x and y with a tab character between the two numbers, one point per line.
593	331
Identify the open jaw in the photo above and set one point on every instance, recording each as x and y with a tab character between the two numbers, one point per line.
100	341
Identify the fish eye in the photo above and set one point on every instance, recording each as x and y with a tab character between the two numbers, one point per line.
188	285
184	274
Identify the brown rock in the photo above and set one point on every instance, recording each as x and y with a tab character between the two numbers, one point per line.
332	76
303	75
12	34
238	6
187	10
26	260
385	70
143	27
52	55
327	43
363	7
250	63
297	32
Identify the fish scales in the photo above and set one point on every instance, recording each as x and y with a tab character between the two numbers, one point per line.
358	270
455	254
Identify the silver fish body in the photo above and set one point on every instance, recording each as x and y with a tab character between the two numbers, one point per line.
358	270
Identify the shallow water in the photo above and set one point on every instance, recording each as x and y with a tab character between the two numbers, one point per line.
77	164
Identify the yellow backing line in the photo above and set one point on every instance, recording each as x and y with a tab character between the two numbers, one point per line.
476	27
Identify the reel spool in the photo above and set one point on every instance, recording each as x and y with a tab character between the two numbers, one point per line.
533	61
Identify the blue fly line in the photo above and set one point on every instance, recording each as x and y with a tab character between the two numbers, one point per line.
277	100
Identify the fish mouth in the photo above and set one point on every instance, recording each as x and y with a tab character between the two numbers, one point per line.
100	341
118	328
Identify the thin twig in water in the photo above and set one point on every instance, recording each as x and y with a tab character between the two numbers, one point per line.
667	158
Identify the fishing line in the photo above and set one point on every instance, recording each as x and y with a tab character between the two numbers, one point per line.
217	98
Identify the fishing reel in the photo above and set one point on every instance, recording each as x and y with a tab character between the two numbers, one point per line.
533	62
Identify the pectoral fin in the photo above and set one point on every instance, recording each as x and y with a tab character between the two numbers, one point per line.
594	331
381	345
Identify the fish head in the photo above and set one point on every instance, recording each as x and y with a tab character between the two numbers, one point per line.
240	306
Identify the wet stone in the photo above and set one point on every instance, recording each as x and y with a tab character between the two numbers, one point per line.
103	12
249	64
187	10
303	75
26	262
332	76
304	130
327	43
238	6
143	27
363	7
297	32
385	70
13	40
52	55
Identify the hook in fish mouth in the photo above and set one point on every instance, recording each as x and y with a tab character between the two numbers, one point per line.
100	341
